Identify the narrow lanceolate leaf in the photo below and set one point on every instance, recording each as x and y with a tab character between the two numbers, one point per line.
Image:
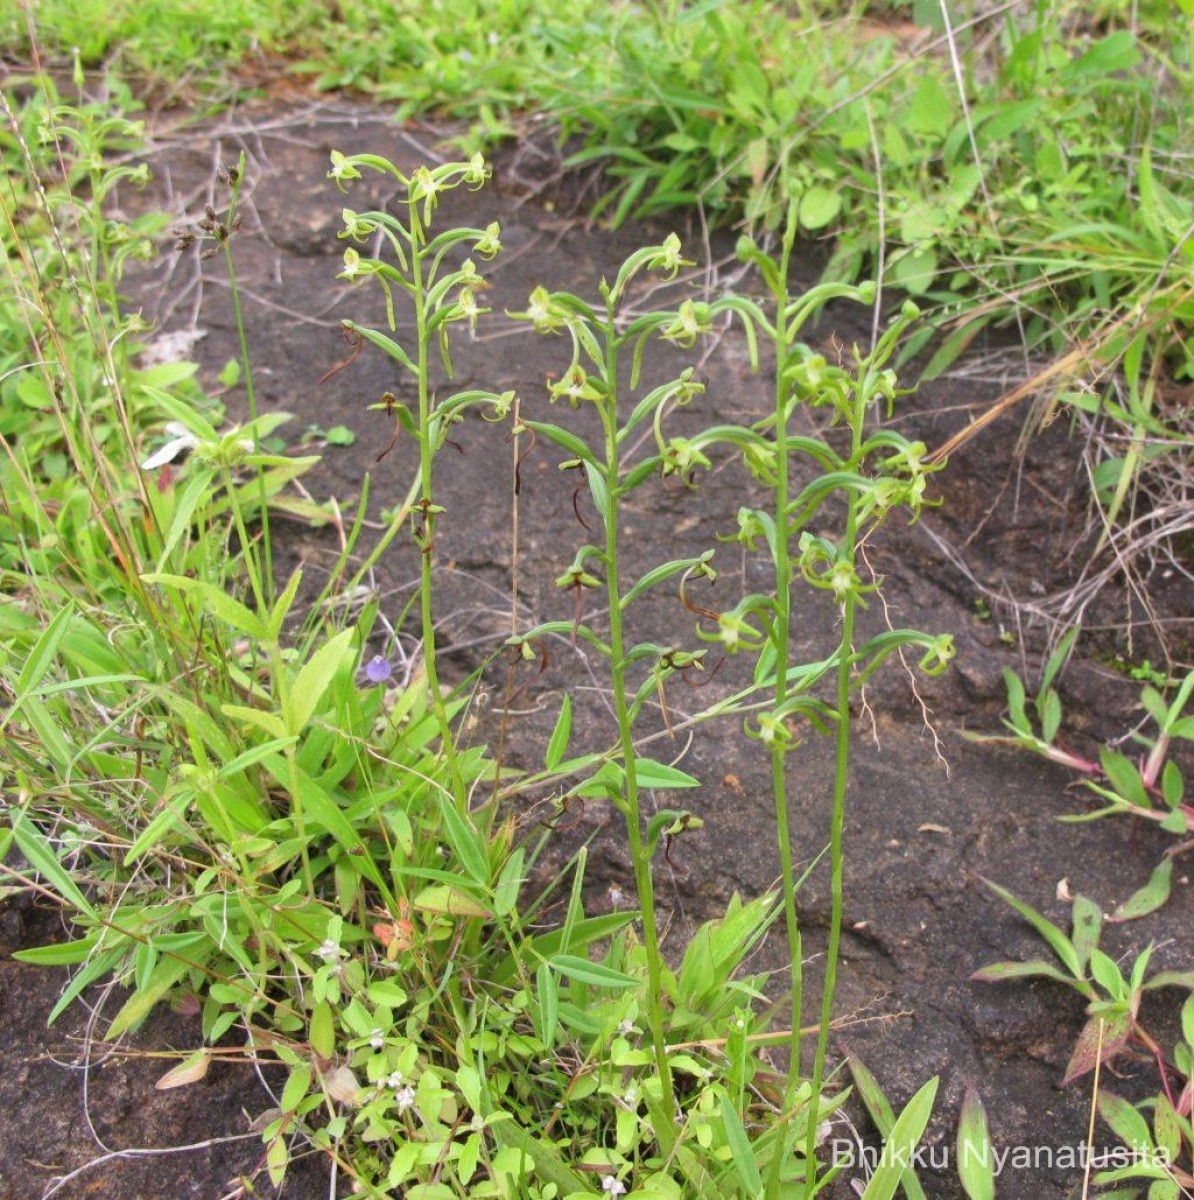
1150	897
976	1161
1102	1037
596	974
42	655
745	1166
467	843
40	855
1058	942
882	1117
549	1004
558	746
898	1148
215	601
1002	971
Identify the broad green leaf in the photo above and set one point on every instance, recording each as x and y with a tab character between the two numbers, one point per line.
313	679
1087	926
450	901
298	1084
1150	897
1128	1124
322	1030
818	207
976	1160
652	774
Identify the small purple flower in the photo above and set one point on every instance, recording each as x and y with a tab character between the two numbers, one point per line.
378	669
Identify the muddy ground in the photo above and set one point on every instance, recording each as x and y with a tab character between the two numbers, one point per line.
919	837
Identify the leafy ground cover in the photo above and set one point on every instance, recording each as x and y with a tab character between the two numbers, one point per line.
246	785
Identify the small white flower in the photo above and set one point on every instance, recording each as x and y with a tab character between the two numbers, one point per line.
330	952
631	1096
376	1040
405	1098
612	1186
395	1080
627	1027
182	442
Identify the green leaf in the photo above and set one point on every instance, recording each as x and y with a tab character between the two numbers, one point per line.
1087	926
558	746
594	974
575	446
340	435
185	504
549	1164
897	1149
976	1160
450	901
583	933
879	1110
915	271
40	855
743	1153
818	207
652	774
1058	942
322	1031
297	1086
41	655
549	1004
1003	971
270	722
313	680
467	843
1050	715
1167	1128
1124	777
59	954
218	602
1128	1125
1150	897
1107	974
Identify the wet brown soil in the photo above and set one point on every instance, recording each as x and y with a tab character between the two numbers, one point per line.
919	837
